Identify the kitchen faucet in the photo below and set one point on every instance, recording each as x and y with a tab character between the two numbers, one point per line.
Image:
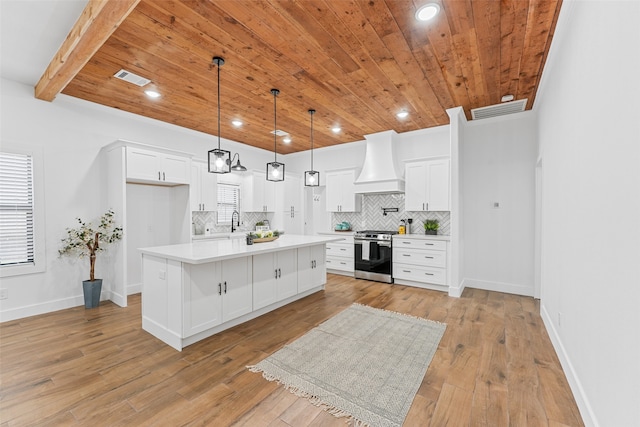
233	215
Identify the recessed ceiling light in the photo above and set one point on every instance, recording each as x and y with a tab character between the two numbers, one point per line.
286	140
427	12
402	114
236	123
336	129
507	98
152	93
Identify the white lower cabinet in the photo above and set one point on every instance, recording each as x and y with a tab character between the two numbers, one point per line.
420	262
274	277
340	257
215	293
312	271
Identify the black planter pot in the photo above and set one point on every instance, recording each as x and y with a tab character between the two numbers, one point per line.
92	292
432	232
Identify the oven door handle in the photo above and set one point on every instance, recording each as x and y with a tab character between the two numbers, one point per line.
379	242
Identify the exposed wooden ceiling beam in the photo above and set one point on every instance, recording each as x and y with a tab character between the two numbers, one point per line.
98	21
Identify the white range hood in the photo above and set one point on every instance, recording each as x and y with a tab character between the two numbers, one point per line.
380	172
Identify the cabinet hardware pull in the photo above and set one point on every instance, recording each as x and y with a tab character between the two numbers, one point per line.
276	273
163	177
428	244
158	175
427	205
406	243
225	287
219	288
429	257
311	264
279	273
342	249
429	274
406	255
407	271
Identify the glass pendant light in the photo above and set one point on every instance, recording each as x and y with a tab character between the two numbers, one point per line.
311	177
275	170
219	160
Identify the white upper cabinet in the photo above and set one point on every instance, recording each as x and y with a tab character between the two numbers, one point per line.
427	185
341	194
259	193
157	167
203	188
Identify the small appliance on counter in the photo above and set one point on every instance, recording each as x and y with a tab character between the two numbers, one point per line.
343	226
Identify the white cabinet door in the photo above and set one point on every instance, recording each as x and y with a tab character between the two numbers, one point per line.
143	165
237	295
203	188
287	283
264	280
438	185
341	194
259	193
293	222
202	295
311	267
176	169
427	185
415	196
157	167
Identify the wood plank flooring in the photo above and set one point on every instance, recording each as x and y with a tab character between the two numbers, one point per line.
495	365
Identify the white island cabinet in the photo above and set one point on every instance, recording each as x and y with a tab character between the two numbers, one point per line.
195	290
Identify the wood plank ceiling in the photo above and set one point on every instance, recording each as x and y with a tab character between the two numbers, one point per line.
357	62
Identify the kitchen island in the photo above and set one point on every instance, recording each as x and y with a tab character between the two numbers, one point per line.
194	290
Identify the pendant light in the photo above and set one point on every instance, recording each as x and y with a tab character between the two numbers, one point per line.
219	160
275	170
311	177
237	167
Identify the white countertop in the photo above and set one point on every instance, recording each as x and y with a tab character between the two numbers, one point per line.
201	252
337	233
422	236
213	236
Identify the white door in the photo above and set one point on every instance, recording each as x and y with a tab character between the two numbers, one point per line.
415	186
438	185
202	298
287	282
143	165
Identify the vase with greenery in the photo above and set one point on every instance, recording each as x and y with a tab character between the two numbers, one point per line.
87	240
431	226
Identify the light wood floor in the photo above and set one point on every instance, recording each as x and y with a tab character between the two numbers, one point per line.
495	365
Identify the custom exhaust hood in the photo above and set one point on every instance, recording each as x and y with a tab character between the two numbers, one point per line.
380	172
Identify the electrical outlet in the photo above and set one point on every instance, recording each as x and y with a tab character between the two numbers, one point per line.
161	275
495	205
559	319
4	293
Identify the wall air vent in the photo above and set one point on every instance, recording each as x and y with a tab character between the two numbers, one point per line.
128	76
499	109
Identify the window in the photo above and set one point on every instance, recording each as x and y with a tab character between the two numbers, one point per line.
21	227
228	201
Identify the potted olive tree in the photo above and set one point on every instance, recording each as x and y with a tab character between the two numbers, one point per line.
88	240
431	226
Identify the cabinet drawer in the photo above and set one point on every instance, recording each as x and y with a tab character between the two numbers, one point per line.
437	245
423	257
340	250
337	263
437	276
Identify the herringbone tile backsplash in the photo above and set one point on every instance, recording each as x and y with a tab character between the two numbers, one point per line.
248	220
372	218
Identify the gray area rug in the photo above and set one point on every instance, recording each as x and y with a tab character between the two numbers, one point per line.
364	363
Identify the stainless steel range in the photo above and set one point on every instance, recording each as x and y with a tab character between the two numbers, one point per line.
373	255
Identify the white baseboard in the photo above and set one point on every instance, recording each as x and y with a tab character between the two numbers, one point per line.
508	288
456	292
586	411
134	289
45	307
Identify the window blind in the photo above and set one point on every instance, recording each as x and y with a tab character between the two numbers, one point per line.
228	201
16	209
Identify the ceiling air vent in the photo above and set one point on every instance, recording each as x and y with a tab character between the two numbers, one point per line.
499	109
279	132
128	76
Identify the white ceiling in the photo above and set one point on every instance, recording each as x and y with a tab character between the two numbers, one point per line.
31	31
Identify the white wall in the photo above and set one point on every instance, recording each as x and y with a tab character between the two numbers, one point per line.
589	131
70	133
498	164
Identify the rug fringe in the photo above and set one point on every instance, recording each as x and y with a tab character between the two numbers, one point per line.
401	314
314	400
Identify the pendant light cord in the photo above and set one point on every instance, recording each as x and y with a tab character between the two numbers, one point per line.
219	64
275	93
311	112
